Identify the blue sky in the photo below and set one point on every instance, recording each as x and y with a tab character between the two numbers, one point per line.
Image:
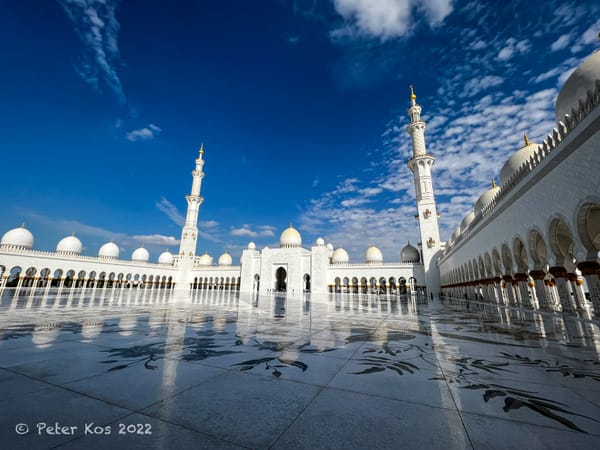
301	106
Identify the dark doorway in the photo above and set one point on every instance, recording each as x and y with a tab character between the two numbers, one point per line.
280	277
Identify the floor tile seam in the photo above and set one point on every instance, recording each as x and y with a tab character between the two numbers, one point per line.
160	419
531	424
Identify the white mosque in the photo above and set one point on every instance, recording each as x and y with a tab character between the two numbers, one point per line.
533	240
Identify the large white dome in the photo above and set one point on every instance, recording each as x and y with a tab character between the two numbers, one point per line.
109	251
576	87
165	258
485	198
140	254
225	259
373	255
290	238
514	163
205	260
340	256
70	245
410	254
18	238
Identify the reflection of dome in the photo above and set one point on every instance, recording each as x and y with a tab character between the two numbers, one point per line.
409	254
290	238
320	242
576	87
165	258
109	251
69	245
340	256
205	260
373	255
18	238
252	246
514	163
140	254
225	259
45	334
485	198
467	221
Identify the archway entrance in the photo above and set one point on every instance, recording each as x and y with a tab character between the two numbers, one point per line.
280	277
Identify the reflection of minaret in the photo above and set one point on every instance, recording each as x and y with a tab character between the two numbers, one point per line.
420	165
187	248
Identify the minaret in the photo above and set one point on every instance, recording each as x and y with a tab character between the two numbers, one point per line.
189	234
420	165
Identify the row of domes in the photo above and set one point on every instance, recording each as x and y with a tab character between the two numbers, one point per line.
373	255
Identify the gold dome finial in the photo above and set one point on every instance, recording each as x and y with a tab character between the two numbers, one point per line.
73	233
493	183
22	224
526	139
412	93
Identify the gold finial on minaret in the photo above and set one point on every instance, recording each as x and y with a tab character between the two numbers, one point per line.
412	93
526	139
494	183
202	149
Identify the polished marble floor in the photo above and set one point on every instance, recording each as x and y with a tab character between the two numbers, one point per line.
153	369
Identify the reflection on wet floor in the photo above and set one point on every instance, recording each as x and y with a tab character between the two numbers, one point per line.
452	369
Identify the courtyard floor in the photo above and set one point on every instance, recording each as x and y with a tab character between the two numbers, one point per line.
218	370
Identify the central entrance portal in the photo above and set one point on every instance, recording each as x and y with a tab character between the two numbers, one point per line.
280	277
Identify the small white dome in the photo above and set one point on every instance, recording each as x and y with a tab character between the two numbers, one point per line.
329	246
252	246
18	237
467	221
576	87
225	259
140	254
410	254
455	234
320	242
340	256
485	198
109	251
70	245
514	163
165	258
373	255
290	238
205	260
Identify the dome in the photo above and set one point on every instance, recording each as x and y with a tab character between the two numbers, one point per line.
69	245
165	258
109	251
205	260
290	238
340	256
410	254
320	242
455	234
467	221
329	246
576	87
18	237
514	163
140	254
252	246
373	255
225	259
485	198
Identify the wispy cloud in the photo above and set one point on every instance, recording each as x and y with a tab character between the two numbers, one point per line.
171	211
386	19
143	134
258	231
98	30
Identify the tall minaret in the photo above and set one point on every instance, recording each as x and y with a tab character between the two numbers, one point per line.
420	165
189	234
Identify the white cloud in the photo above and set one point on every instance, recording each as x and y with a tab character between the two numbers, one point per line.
98	30
587	38
386	19
143	134
561	43
171	211
513	47
246	230
477	85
